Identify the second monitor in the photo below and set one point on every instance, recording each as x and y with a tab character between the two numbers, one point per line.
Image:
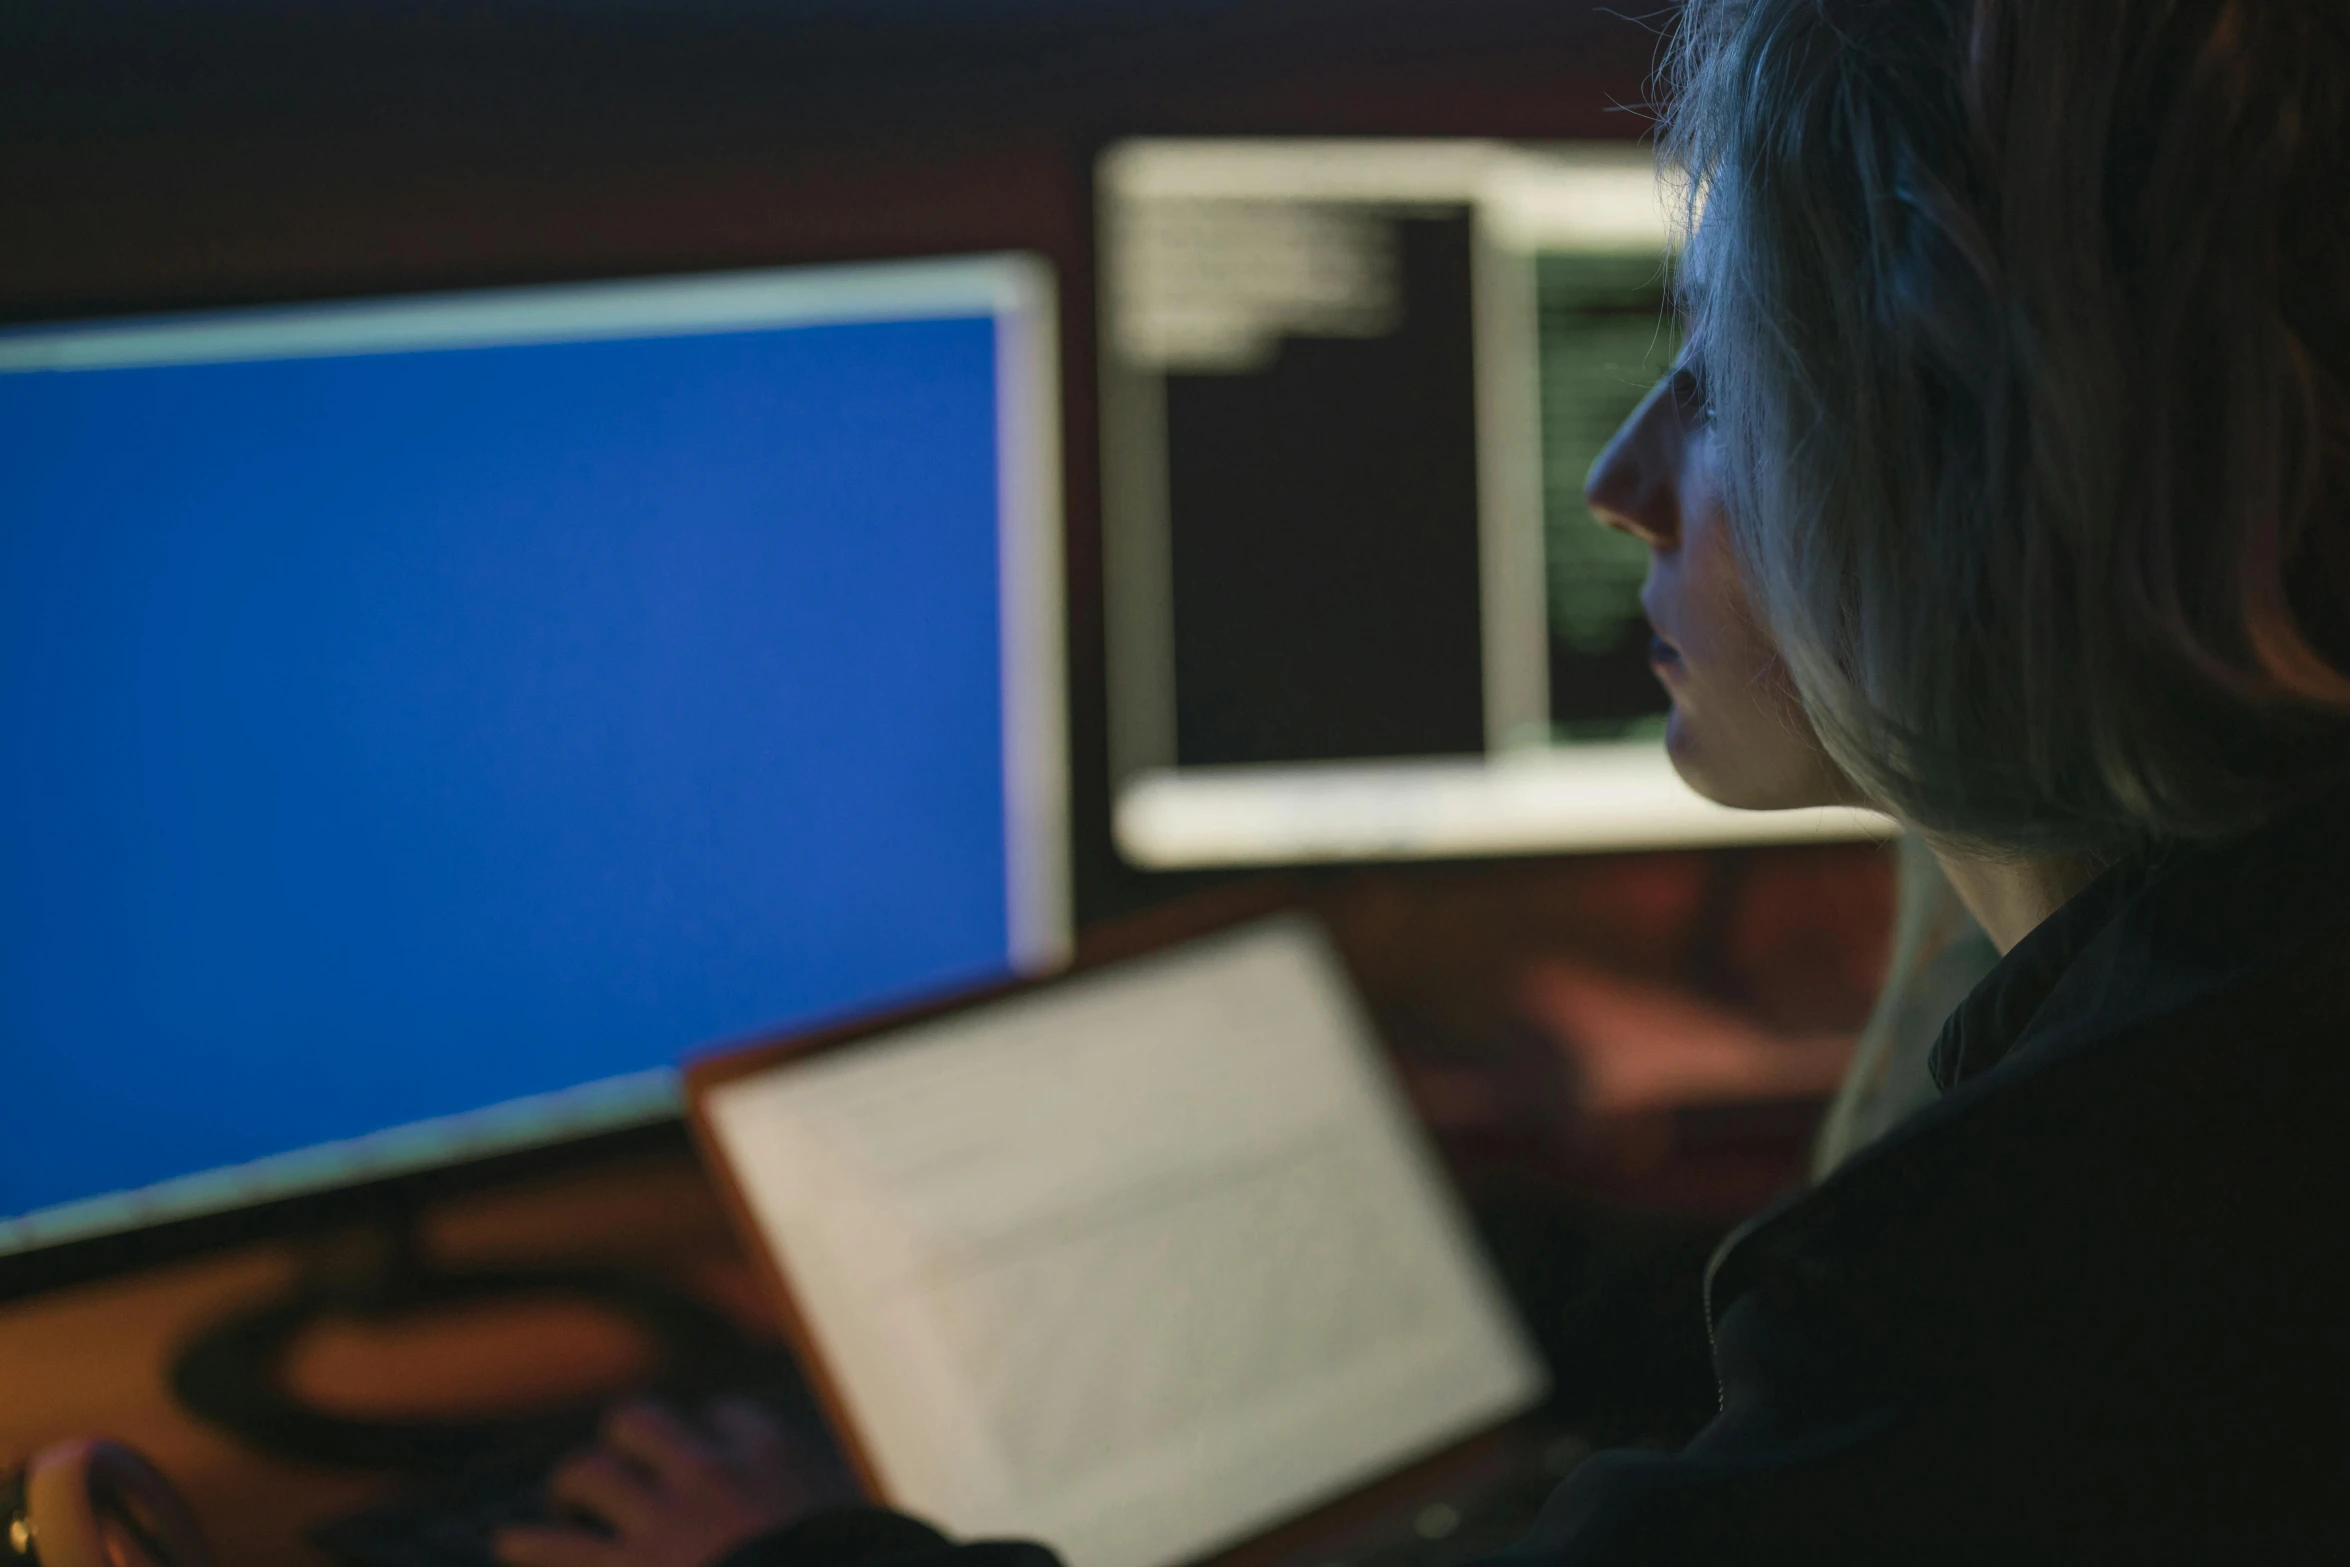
1358	608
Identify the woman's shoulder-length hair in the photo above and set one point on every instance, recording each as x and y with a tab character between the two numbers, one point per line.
2026	330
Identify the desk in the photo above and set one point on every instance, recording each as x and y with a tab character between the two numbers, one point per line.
1795	939
95	1360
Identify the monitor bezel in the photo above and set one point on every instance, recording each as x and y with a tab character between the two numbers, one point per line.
1513	800
1018	288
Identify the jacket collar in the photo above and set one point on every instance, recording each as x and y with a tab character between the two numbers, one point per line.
2153	934
1998	1012
2150	936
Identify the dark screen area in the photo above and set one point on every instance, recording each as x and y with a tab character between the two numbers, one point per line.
1323	522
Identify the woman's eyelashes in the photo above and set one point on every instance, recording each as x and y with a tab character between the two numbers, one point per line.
1687	384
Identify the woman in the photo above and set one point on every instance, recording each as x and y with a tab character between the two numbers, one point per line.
2005	486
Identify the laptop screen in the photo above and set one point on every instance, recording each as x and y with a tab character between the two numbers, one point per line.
1137	1264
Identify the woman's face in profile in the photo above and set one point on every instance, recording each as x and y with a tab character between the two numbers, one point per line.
1737	733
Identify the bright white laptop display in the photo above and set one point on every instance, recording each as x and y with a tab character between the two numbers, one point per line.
1138	1264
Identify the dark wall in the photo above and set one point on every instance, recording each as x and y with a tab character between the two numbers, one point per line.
160	156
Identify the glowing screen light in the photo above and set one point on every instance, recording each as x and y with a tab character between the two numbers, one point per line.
428	719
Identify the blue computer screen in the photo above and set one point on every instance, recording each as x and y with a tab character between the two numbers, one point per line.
390	735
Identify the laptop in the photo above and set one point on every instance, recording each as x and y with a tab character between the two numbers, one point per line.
1150	1262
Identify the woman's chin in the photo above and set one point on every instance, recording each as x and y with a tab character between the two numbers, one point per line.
1686	749
1767	770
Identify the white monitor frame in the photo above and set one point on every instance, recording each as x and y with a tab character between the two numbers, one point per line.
1016	289
1524	795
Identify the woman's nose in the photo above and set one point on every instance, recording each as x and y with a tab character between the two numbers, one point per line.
1631	487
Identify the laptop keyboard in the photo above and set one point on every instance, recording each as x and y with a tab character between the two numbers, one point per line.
450	1522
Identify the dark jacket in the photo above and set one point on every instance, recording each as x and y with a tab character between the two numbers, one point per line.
2088	1306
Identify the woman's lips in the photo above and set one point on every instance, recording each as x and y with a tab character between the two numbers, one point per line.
1664	658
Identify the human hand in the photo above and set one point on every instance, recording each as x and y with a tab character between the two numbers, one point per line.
672	1494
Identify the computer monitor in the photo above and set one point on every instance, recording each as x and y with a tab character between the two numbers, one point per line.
430	718
1357	607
